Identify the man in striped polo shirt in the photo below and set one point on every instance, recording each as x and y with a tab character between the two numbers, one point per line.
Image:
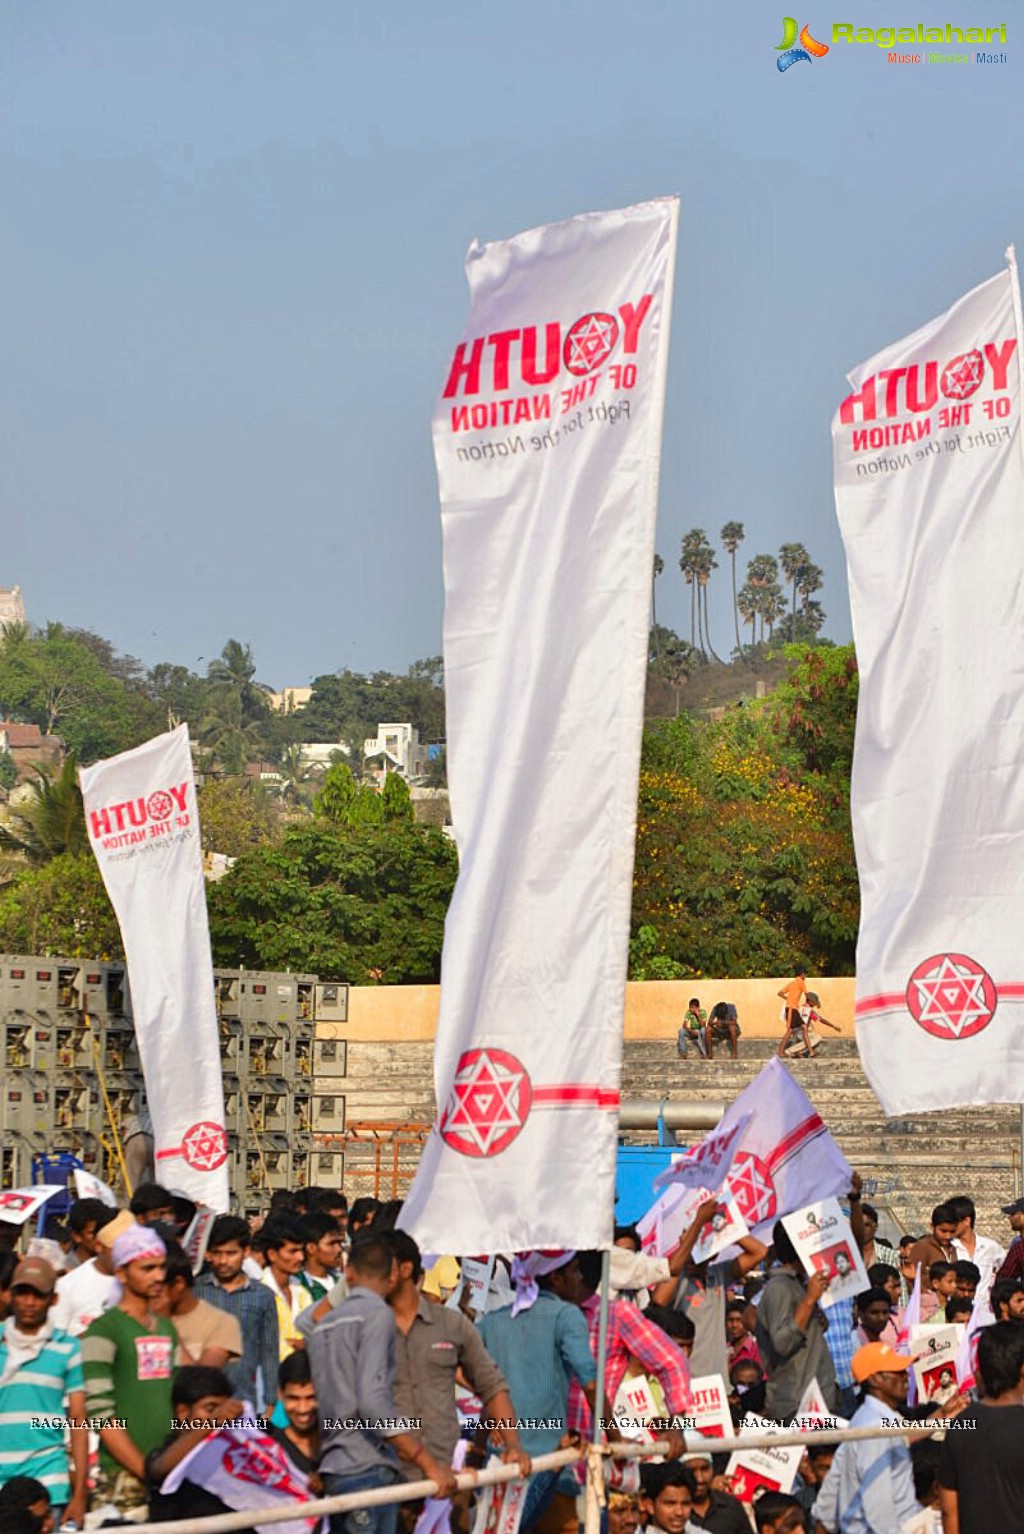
41	1386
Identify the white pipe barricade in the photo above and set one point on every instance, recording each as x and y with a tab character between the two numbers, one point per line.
412	1491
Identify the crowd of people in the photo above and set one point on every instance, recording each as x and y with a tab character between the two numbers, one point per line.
360	1363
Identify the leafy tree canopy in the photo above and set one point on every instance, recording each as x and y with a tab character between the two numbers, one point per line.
361	903
235	815
744	856
60	908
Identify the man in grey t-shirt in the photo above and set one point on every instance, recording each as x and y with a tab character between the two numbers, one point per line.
790	1334
701	1292
352	1357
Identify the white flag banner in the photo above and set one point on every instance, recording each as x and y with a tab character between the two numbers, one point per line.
814	1413
143	823
929	479
547	439
89	1186
785	1158
669	1218
707	1164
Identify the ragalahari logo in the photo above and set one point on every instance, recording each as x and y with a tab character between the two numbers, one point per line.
787	50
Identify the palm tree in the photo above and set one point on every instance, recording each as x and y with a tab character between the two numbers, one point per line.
697	560
688	564
732	536
675	665
659	567
294	775
810	580
773	606
746	606
52	821
224	731
705	562
813	615
793	558
234	670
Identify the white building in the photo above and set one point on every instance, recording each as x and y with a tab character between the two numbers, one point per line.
12	608
289	699
398	745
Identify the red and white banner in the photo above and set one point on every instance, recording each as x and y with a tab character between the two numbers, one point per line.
929	478
785	1157
143	823
707	1164
247	1471
547	439
19	1204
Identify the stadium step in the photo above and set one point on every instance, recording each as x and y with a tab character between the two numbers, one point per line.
908	1163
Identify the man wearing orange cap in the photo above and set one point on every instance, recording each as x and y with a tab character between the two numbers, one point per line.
870	1487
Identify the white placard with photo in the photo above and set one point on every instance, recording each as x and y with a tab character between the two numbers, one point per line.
725	1227
825	1243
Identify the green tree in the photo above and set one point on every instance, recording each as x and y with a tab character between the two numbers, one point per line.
8	770
60	908
765	594
234	672
54	680
688	557
52	821
671	660
697	560
225	733
356	903
744	858
395	799
235	815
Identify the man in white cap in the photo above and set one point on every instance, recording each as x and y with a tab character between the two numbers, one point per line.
717	1511
128	1359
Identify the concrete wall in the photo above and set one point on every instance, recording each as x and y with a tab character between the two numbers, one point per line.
654	1008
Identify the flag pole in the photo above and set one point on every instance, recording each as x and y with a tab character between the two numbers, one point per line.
594	1493
1010	256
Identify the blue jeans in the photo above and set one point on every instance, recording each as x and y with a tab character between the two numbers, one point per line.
363	1520
539	1491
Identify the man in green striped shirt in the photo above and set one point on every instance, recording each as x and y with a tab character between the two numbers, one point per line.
41	1386
128	1358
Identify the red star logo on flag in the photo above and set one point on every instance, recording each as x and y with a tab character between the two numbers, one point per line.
962	376
488	1105
752	1187
589	342
205	1146
951	997
263	1466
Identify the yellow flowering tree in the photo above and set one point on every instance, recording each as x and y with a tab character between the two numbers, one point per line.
744	857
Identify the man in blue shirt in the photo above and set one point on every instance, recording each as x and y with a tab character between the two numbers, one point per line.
541	1343
870	1487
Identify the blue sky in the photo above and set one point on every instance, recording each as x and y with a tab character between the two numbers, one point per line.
231	254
